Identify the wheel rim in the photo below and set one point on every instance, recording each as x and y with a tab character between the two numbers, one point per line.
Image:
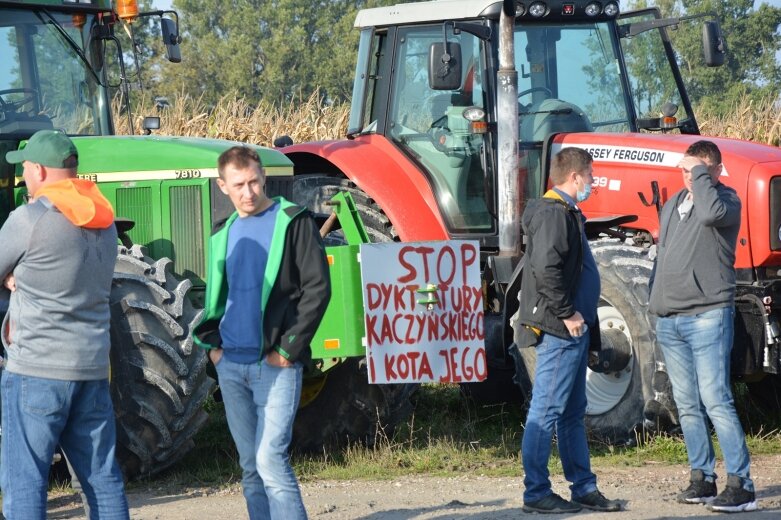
605	391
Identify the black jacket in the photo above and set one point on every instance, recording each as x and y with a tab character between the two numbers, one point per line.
300	293
554	260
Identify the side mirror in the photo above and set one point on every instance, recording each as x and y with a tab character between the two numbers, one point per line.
444	66
713	44
151	123
171	40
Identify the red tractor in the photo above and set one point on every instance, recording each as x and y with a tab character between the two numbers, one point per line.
458	106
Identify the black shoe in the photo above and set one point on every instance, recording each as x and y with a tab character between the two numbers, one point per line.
700	491
597	502
551	504
734	498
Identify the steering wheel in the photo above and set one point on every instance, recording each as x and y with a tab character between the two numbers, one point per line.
31	97
438	133
535	89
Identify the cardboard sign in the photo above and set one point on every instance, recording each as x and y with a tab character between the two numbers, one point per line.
423	305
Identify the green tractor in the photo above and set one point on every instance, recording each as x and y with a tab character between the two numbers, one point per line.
57	61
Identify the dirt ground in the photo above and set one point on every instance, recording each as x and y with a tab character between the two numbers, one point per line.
648	492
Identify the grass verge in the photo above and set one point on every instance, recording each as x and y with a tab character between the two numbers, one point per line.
447	435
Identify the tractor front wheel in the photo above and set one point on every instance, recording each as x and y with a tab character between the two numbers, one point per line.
617	410
158	377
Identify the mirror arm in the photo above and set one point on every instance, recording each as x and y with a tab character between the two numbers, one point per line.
633	29
123	81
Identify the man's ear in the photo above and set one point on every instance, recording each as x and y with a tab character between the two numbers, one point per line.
221	185
40	173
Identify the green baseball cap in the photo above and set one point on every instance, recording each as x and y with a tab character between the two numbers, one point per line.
46	147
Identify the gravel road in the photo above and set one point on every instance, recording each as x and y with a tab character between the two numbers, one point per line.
648	491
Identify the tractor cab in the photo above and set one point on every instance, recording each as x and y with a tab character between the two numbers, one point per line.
430	87
59	65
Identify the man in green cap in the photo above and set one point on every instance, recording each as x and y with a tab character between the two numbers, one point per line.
57	258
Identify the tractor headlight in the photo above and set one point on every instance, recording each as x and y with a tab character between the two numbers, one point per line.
611	9
538	9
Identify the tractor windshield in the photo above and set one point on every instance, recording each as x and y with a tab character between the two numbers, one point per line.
569	80
45	78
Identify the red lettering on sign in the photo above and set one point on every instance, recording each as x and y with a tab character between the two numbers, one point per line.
414	365
412	273
472	367
448	277
468	257
371	333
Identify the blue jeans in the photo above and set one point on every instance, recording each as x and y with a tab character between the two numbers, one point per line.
697	354
39	413
260	404
558	402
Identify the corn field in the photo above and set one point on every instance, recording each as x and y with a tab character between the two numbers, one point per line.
311	119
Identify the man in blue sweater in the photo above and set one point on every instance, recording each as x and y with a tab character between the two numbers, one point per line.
693	295
268	288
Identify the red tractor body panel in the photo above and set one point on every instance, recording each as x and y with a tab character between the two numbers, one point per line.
387	176
625	165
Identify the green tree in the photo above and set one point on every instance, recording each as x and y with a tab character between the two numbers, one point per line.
750	70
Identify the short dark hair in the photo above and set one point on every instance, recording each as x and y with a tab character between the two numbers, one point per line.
705	150
568	160
239	156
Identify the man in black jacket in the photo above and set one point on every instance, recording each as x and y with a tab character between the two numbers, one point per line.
558	308
267	290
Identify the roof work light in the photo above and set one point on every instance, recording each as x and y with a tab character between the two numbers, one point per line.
566	10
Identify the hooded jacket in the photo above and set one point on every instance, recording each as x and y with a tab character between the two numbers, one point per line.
296	287
554	259
61	249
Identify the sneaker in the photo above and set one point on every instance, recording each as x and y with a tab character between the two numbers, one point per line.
734	498
551	504
596	501
700	491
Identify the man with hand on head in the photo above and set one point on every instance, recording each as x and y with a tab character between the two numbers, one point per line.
693	297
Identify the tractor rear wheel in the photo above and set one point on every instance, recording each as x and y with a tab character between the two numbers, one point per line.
158	377
341	406
617	399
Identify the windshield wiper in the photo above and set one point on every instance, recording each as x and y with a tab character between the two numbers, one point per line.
69	40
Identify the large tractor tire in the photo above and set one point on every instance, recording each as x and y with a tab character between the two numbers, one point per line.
765	394
617	411
341	406
158	377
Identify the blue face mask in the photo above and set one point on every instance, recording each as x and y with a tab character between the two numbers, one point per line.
583	195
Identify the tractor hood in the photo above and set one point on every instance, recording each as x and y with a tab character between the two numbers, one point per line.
127	158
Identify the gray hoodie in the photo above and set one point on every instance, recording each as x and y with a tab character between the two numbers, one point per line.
57	325
694	268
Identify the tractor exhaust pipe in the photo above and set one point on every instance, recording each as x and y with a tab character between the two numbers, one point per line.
507	135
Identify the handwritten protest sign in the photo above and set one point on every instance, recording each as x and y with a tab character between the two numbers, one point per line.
423	304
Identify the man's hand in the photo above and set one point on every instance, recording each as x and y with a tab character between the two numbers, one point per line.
276	359
215	355
10	283
575	324
689	161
